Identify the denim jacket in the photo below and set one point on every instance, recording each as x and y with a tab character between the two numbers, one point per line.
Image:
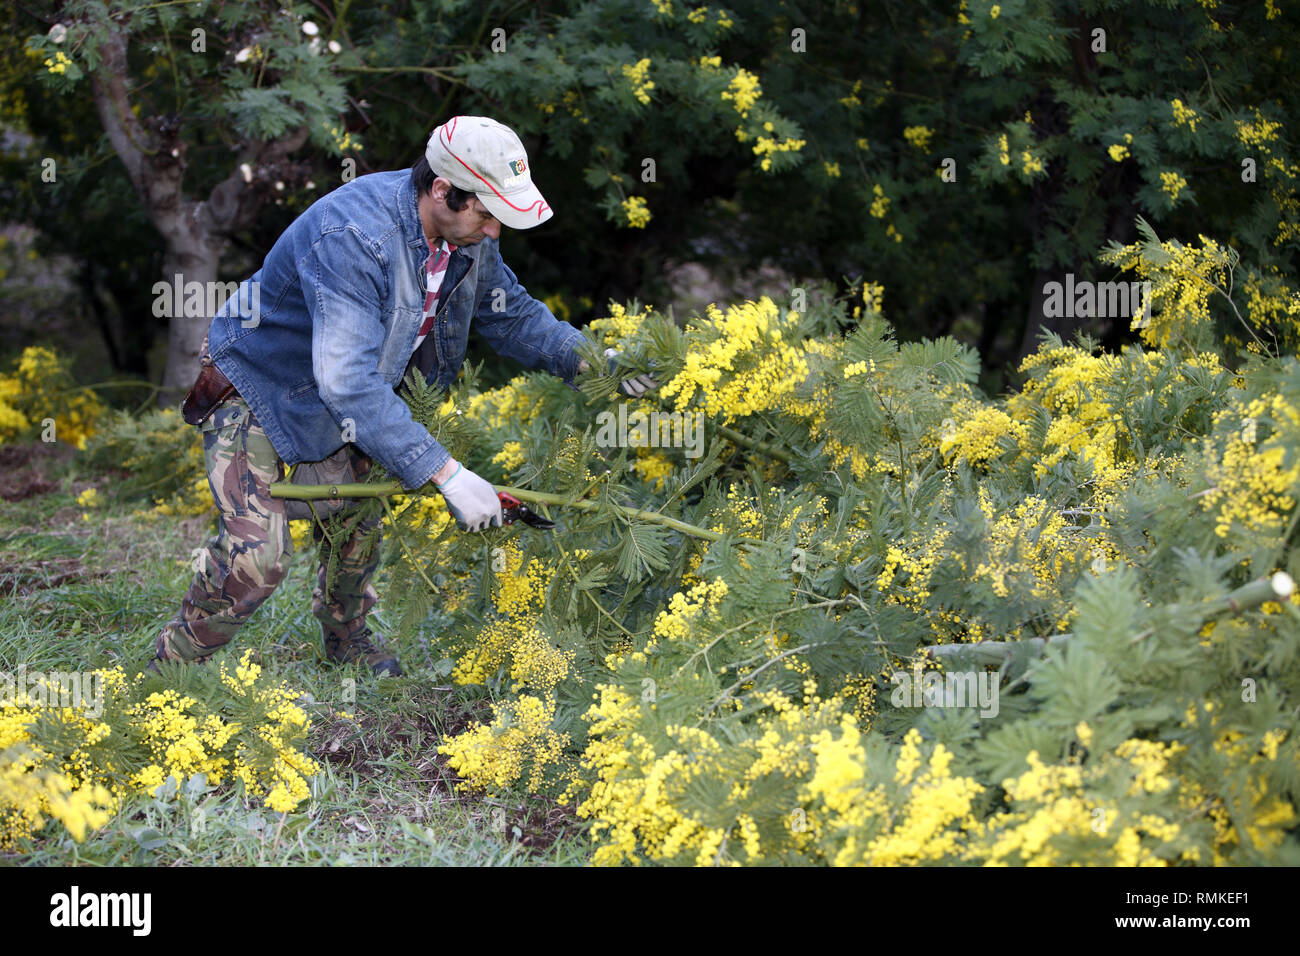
320	337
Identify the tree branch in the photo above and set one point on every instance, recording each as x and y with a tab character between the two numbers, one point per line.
108	88
281	489
1278	587
232	204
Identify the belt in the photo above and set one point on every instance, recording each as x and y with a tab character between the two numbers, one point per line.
210	389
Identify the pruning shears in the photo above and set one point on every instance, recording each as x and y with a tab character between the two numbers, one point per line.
512	508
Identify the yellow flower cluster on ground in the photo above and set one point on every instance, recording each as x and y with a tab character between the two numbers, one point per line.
636	801
520	595
519	739
39	399
855	811
929	825
518	744
1055	813
178	744
80	770
30	795
157	448
12	421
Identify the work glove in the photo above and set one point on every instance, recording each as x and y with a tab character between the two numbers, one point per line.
637	386
472	501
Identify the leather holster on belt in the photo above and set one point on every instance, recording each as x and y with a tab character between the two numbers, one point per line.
210	389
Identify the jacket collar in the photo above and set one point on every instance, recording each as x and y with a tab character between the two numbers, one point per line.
409	212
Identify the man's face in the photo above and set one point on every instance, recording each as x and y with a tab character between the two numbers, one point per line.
469	226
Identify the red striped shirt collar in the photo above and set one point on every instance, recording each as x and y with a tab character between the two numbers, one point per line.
433	250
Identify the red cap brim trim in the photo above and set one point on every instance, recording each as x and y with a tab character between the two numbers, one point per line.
445	135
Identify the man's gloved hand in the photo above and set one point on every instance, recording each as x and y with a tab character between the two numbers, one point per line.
472	501
637	386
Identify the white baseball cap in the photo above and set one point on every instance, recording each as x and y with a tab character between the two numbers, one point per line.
486	158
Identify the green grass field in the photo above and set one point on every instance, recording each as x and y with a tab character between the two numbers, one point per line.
77	594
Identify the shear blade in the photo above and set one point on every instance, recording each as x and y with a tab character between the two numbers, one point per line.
533	519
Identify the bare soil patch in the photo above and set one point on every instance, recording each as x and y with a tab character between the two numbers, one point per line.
25	469
38	575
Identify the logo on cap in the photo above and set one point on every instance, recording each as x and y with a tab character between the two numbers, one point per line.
518	167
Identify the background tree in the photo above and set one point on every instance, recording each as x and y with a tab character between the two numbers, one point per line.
1055	123
997	146
222	92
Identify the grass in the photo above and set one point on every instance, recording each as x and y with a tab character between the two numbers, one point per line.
77	594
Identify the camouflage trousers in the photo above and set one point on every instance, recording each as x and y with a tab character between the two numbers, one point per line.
241	566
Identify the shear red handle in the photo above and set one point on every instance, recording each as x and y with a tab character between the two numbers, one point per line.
512	508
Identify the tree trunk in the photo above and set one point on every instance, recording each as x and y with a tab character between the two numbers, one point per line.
194	261
1047	195
155	168
194	233
1035	320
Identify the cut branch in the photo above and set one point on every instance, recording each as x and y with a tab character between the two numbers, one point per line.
384	489
1251	595
754	444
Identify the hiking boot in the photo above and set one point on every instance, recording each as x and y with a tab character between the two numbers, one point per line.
381	661
153	668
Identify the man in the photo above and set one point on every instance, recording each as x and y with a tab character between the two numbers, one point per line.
386	272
